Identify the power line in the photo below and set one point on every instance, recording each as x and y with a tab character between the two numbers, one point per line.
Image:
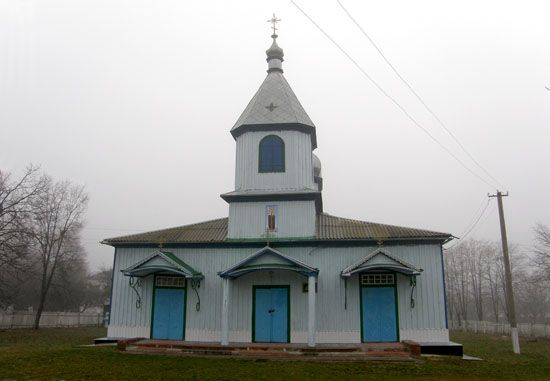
473	219
469	229
417	96
393	100
465	234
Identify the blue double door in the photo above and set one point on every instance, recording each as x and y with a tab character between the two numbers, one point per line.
168	314
271	314
379	314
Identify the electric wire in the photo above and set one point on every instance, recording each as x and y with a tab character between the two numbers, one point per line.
417	96
387	95
473	219
470	229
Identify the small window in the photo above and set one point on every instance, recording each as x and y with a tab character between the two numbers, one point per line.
272	154
377	279
170	281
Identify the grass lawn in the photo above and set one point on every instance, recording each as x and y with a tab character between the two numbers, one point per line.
55	354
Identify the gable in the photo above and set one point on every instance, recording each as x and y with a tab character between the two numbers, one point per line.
381	260
161	262
267	259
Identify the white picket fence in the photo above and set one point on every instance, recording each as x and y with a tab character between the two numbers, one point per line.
524	329
24	319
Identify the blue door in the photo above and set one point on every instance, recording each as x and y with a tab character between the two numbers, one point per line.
379	314
271	314
168	313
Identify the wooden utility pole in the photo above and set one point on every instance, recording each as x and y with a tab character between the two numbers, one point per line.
508	275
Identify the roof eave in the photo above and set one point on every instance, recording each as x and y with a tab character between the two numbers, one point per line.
305	240
301	127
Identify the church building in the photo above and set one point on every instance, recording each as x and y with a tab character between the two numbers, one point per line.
278	268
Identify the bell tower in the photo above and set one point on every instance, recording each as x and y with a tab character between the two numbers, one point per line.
277	178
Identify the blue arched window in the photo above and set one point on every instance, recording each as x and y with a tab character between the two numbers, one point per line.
272	154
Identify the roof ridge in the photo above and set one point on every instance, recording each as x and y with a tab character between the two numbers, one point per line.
285	91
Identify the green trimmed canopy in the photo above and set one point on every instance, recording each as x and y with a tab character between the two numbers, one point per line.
162	262
381	260
268	259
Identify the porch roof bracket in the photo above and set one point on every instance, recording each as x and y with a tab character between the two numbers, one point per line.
162	262
381	260
268	259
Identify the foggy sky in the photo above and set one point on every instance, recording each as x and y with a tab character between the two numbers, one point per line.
135	99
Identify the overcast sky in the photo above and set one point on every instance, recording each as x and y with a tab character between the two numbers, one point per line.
135	99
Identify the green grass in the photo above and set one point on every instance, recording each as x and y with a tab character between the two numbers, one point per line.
55	354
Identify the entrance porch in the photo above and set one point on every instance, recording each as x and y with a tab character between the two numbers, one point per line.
271	296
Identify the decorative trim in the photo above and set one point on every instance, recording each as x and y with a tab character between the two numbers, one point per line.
285	241
173	265
362	266
300	127
444	285
134	284
294	265
254	197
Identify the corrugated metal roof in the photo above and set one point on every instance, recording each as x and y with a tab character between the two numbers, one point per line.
338	228
330	228
202	232
274	103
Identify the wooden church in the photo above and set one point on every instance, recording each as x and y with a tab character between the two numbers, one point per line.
278	268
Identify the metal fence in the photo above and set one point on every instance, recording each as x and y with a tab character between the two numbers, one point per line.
524	329
24	319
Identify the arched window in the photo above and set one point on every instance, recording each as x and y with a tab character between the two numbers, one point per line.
272	154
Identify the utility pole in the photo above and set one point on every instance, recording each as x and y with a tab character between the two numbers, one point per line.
508	275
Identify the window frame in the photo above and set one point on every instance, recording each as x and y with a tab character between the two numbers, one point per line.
283	161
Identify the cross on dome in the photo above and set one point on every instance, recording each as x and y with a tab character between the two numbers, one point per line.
274	20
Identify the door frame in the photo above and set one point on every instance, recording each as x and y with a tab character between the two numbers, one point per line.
394	285
153	303
254	288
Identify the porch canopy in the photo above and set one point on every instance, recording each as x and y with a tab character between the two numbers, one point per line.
381	260
162	262
268	259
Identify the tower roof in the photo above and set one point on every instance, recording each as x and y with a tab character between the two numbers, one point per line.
274	106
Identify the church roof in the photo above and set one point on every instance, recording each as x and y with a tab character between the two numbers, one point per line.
274	106
328	228
274	103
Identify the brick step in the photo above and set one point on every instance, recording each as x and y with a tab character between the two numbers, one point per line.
277	351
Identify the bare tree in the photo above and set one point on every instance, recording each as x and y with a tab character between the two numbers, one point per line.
16	199
492	278
477	258
542	249
457	282
57	215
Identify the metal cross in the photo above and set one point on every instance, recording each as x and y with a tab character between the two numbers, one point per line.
274	20
271	107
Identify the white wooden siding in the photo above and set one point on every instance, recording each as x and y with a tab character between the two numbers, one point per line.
426	321
298	172
294	219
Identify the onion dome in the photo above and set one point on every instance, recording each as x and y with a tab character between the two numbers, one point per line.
316	165
274	56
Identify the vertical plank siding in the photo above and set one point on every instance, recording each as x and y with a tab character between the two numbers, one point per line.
298	172
334	323
295	219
